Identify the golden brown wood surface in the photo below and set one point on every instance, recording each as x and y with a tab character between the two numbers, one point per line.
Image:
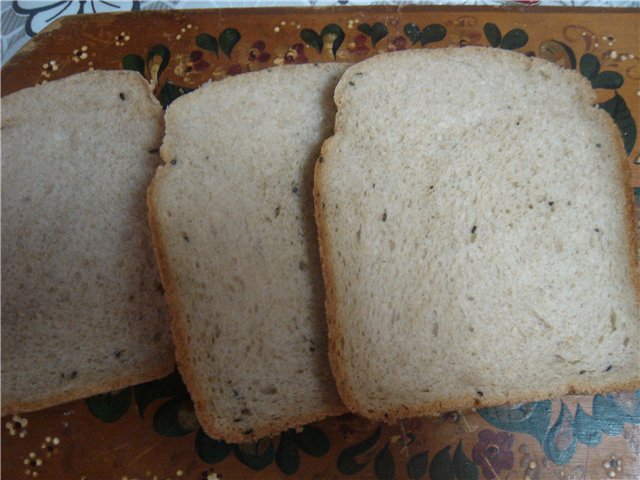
577	437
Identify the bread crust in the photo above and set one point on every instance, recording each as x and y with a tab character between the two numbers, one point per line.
158	370
336	355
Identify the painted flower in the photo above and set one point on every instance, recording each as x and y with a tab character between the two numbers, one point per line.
196	61
254	56
41	14
17	426
49	67
189	66
33	461
613	466
493	452
121	39
50	446
397	44
80	54
257	52
358	45
293	55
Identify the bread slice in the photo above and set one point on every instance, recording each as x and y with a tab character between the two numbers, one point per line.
82	310
232	220
476	235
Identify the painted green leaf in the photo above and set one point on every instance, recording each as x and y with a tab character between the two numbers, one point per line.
378	32
133	62
587	431
287	457
166	419
346	460
560	442
311	37
365	28
412	31
109	407
463	468
169	386
312	441
383	465
589	65
532	418
210	450
333	29
255	455
608	79
171	91
228	39
492	32
162	52
442	467
207	42
417	465
433	33
516	38
617	108
607	415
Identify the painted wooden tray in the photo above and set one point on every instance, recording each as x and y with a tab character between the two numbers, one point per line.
149	431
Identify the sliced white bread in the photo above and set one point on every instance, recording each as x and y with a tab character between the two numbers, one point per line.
231	213
82	307
476	234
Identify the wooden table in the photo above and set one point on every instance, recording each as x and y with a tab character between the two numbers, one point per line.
150	432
